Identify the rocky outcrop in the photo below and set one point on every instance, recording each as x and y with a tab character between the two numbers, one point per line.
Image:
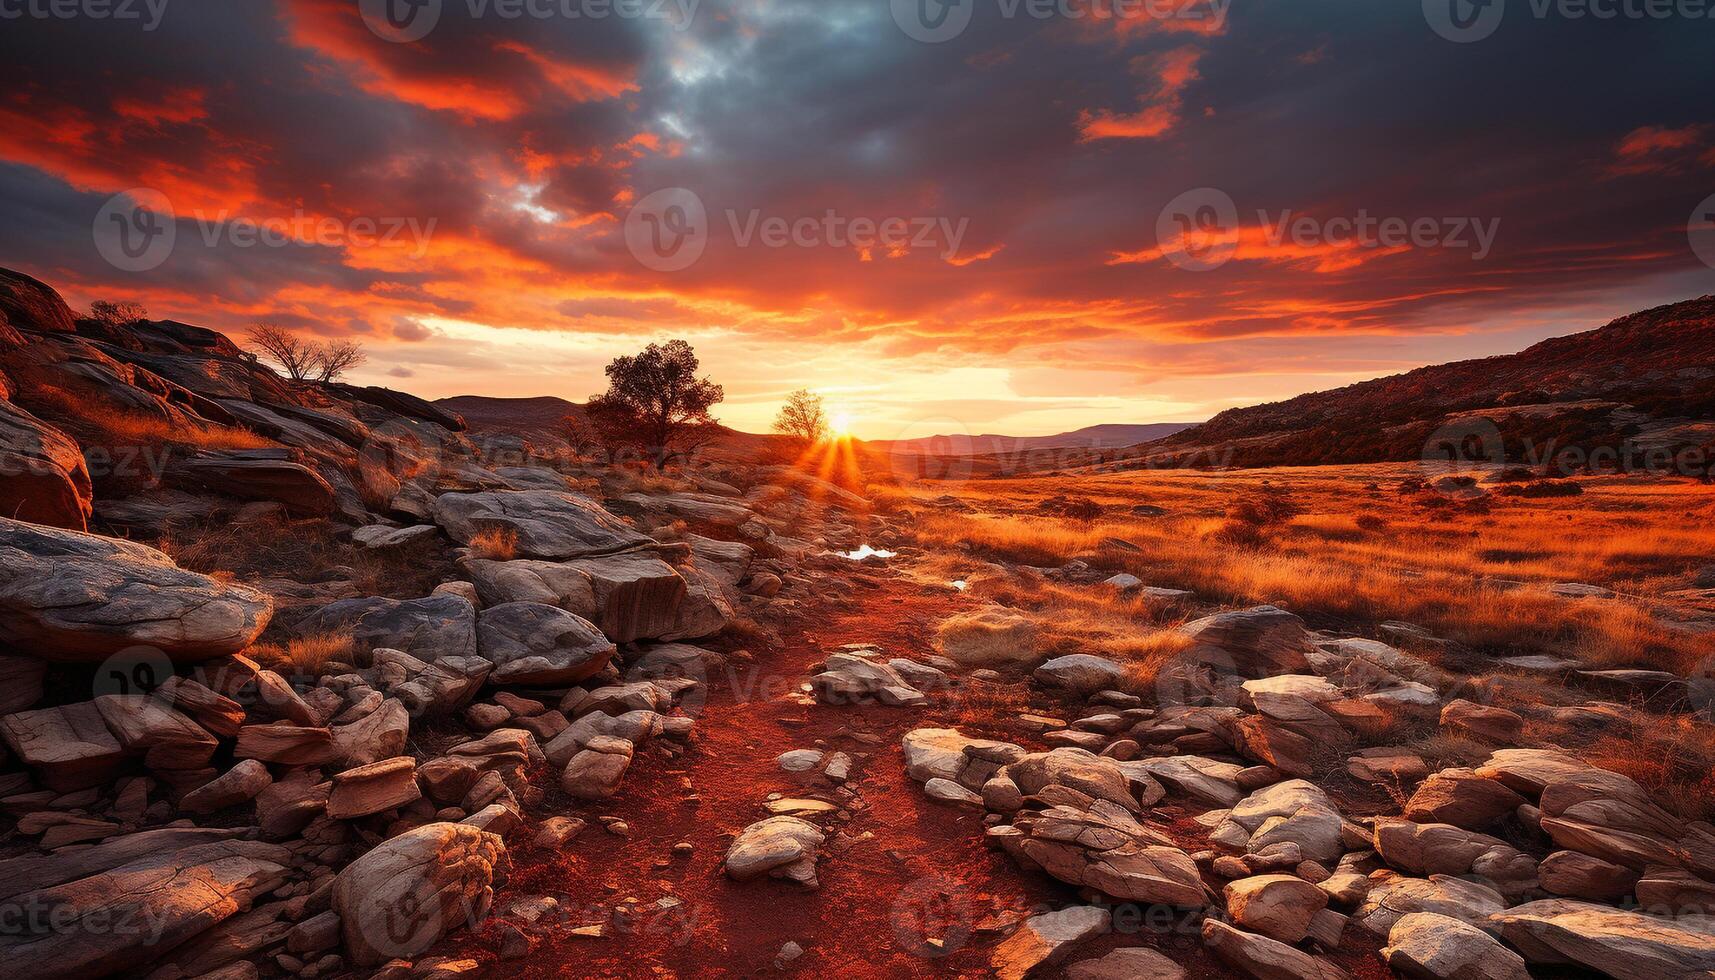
1259	642
263	474
402	897
531	643
1104	847
546	524
43	476
77	597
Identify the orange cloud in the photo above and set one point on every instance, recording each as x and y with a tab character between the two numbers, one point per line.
1172	71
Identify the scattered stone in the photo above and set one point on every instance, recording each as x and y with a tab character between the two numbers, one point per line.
780	847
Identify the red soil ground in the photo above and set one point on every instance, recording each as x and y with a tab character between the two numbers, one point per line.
885	900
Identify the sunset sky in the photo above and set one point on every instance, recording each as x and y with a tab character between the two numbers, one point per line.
517	147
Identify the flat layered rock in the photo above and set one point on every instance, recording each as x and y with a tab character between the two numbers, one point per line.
1277	906
254	476
110	921
1620	944
240	784
148	726
1391	897
1462	798
286	745
399	899
1264	958
78	598
637	596
528	580
547	524
1207	780
532	643
1105	848
69	747
373	788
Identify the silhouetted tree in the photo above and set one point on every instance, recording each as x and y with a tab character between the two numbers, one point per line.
305	360
117	314
655	402
803	418
294	354
336	357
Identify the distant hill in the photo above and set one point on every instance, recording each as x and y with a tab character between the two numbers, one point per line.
521	416
1644	380
1107	436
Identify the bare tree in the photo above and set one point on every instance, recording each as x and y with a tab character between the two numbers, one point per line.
117	314
297	356
336	357
803	417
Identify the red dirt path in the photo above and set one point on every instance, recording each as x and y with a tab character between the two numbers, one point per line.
923	875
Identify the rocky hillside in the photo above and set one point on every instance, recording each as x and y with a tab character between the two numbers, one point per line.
282	660
1647	379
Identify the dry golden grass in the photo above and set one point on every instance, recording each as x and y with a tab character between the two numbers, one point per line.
306	656
104	425
495	544
1360	550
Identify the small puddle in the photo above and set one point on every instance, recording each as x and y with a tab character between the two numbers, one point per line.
866	552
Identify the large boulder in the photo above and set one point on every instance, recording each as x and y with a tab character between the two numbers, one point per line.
430	629
1277	906
110	909
1257	642
553	583
1443	849
1612	942
72	597
532	643
1081	674
399	899
637	596
30	304
254	475
45	479
1294	811
1462	798
1426	946
1391	897
549	524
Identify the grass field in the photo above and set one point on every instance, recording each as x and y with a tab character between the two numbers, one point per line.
1359	545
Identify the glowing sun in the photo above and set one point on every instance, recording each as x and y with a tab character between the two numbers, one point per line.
840	425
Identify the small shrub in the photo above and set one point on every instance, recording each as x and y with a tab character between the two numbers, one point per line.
306	656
